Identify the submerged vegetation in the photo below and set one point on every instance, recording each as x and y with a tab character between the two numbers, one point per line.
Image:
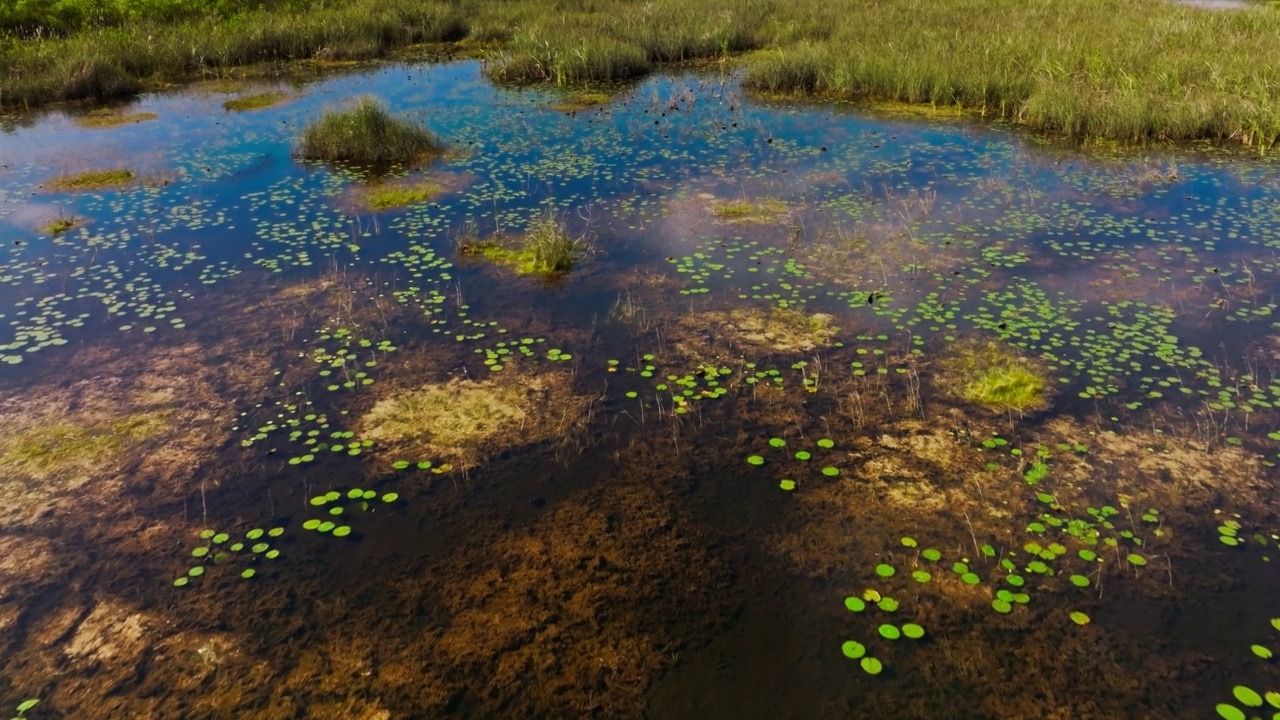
992	374
466	421
545	248
386	196
93	180
105	118
1150	69
752	210
254	101
57	446
311	374
366	134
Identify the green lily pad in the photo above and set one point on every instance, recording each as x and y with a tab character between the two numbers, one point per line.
1229	712
1247	695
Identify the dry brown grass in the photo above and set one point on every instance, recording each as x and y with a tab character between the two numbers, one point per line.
464	421
109	118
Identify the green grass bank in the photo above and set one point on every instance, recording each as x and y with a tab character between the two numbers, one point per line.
1133	70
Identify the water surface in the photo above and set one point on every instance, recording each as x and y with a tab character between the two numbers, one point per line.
231	345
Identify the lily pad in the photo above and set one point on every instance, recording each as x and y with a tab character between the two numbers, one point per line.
853	649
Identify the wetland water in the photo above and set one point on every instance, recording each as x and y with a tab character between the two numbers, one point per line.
268	454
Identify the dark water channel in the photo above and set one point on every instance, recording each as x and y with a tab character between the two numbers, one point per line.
272	453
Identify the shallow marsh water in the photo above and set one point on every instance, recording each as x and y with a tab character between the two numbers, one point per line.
222	343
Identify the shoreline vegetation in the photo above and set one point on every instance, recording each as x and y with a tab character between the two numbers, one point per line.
1128	70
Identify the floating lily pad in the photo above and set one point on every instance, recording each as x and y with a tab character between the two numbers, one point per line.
755	460
855	604
890	632
1230	712
1080	618
884	570
853	649
913	631
871	665
1247	695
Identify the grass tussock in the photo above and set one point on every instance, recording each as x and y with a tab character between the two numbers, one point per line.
546	248
256	101
109	118
366	134
60	225
464	421
994	375
93	180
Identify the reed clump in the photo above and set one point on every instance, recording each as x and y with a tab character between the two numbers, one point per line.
366	134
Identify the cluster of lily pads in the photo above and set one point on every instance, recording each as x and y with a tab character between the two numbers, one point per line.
1231	532
219	549
348	364
312	431
1045	556
871	598
336	510
706	382
777	446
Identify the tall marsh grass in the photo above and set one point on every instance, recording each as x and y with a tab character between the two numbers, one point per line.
1125	69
